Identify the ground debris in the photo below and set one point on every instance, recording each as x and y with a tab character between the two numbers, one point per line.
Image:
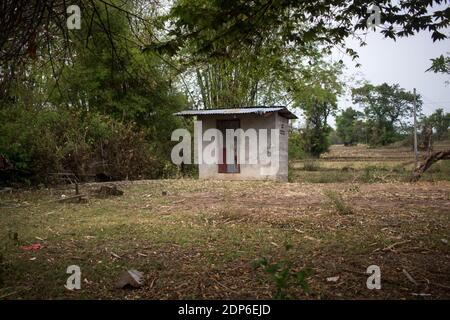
105	191
33	247
333	279
410	278
76	198
130	278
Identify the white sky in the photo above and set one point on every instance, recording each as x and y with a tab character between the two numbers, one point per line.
404	62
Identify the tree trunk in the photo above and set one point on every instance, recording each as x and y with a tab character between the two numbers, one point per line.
432	158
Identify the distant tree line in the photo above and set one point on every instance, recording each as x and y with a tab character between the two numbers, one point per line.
387	117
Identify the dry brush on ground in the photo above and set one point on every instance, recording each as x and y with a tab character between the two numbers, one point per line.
198	239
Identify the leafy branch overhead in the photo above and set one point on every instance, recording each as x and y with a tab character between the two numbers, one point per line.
214	28
441	64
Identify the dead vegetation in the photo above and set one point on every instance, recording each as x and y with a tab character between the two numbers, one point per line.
200	239
360	164
428	162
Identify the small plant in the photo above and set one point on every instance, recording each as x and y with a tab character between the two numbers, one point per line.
338	202
283	275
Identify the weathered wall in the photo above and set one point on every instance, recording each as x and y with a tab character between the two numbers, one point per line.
282	124
250	171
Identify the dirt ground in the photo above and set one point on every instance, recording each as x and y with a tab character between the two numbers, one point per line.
199	239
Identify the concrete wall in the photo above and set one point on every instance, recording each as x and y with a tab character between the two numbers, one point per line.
250	171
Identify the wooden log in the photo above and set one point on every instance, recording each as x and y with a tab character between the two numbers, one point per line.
432	158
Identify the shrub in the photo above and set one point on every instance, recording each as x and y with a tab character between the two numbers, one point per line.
40	142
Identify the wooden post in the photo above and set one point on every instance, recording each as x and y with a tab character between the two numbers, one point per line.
416	154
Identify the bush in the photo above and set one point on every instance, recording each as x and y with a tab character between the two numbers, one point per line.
38	143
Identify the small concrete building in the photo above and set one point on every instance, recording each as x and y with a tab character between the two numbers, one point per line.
276	117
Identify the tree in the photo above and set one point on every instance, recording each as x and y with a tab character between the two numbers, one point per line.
334	137
349	127
315	134
257	72
105	106
440	122
254	75
218	26
315	92
387	109
429	161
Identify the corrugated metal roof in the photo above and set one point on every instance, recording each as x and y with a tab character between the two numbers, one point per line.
256	110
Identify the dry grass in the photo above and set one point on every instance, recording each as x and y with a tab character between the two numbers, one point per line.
200	239
366	165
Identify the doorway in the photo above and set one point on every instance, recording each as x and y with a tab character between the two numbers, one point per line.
223	125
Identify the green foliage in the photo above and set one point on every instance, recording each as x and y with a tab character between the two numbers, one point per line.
46	141
349	127
106	108
439	121
315	138
261	70
440	64
315	92
212	28
334	137
387	110
295	150
283	275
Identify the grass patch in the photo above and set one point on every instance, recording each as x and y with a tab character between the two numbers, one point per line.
338	202
311	165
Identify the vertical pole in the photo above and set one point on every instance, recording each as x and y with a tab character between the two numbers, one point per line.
415	131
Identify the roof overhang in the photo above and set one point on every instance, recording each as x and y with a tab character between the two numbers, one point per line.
283	111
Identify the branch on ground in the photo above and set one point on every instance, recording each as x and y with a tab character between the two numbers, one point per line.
434	157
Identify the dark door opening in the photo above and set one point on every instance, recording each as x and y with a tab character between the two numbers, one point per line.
223	125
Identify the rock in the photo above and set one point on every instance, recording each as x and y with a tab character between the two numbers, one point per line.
333	279
445	241
130	278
